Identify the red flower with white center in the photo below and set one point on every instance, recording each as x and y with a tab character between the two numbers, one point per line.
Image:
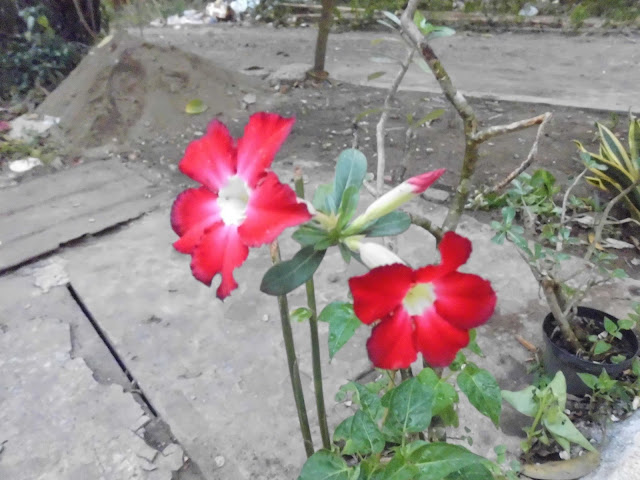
240	204
429	310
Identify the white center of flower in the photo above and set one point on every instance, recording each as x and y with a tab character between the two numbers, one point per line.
419	298
232	200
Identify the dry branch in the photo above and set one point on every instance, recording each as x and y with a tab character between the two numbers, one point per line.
513	127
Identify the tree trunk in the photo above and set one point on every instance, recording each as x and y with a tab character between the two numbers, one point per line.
9	19
326	19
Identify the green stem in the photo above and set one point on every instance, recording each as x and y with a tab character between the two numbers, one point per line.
315	342
292	361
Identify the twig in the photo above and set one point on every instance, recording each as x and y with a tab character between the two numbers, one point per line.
83	21
426	224
565	199
493	131
488	133
603	219
380	128
409	138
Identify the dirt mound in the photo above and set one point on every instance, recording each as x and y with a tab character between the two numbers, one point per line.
128	87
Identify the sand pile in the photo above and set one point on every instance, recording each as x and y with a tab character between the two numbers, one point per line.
126	87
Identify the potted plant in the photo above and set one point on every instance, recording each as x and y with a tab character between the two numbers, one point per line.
577	339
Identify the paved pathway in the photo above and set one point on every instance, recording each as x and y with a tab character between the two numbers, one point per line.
596	71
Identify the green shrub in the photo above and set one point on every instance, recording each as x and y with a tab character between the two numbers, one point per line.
37	57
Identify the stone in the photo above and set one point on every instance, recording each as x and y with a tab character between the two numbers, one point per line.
289	74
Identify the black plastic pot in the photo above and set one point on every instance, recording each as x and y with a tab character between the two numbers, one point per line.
556	358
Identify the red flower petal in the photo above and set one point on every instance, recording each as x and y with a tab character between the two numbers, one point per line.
272	207
220	251
390	345
263	136
438	340
454	251
378	292
421	182
211	160
464	300
192	212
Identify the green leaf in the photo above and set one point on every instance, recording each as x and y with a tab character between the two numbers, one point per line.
343	323
610	326
445	394
391	224
429	117
325	465
476	471
589	380
195	106
300	314
618	359
374	75
309	235
561	426
361	435
368	401
348	205
409	406
626	324
635	366
508	214
322	193
366	113
558	387
440	31
523	400
601	347
473	344
350	171
437	461
482	390
286	276
345	252
399	469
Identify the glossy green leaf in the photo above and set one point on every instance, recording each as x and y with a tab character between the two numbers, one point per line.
399	469
558	386
301	314
476	471
345	252
391	224
436	461
410	407
589	380
350	171
429	117
286	276
360	434
482	390
348	205
374	75
445	394
343	323
195	107
308	235
368	401
601	347
610	326
561	426
366	113
392	17
325	465
320	196
522	400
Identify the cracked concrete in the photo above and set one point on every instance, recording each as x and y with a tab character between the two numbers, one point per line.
60	419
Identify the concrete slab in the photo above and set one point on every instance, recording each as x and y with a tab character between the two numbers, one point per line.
216	371
58	422
38	216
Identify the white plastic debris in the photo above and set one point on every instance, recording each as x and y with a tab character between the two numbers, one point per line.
528	10
24	165
30	126
241	6
219	9
617	244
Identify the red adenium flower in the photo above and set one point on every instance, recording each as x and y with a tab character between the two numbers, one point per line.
240	204
429	310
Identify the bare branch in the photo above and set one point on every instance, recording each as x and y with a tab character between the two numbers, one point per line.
425	223
409	139
488	133
565	199
453	95
603	219
542	120
380	128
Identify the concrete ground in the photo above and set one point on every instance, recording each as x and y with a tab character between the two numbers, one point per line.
116	363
